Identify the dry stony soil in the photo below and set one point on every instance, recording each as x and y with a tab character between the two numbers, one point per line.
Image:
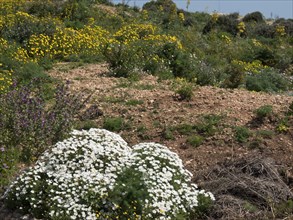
248	179
151	112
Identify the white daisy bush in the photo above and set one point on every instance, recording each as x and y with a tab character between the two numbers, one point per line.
96	175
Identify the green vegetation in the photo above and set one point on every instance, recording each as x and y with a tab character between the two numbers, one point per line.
115	124
242	134
263	112
194	140
187	49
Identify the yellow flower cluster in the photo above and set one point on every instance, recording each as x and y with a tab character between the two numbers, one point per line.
21	55
10	6
241	27
181	16
159	40
215	17
254	67
280	30
226	38
141	41
134	32
66	42
5	79
256	43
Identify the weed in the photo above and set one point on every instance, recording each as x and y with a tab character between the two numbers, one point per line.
184	129
115	124
208	124
255	143
242	134
185	92
284	209
168	134
142	132
283	125
265	133
263	112
195	140
134	102
85	125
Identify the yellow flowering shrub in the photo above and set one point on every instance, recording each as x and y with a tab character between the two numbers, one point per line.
134	32
10	6
181	16
132	46
253	67
5	79
241	27
256	43
66	42
280	30
226	38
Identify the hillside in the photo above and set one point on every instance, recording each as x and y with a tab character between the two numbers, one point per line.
148	111
215	89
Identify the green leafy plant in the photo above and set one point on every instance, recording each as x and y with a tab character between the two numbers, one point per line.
263	112
185	92
208	124
242	134
194	140
114	124
283	125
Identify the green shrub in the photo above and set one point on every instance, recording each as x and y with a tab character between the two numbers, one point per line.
208	124
283	125
179	62
263	112
114	124
235	76
267	81
156	6
194	140
263	30
185	92
134	102
254	17
242	134
168	134
265	133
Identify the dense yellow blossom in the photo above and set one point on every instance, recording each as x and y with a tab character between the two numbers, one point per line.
241	27
67	41
280	30
254	67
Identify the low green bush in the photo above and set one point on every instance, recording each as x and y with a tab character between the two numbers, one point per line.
242	134
194	140
114	124
263	112
267	81
185	92
254	17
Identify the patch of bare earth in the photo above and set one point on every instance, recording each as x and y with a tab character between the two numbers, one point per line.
156	111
